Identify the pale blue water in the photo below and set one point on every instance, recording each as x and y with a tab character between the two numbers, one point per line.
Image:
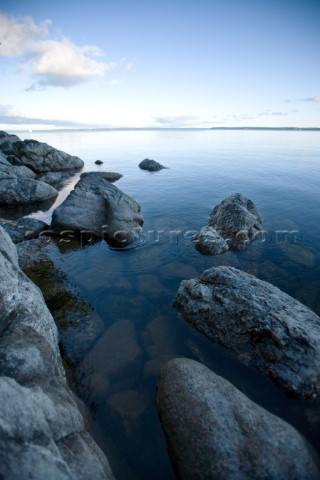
279	171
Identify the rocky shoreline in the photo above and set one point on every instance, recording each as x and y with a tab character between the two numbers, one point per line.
212	430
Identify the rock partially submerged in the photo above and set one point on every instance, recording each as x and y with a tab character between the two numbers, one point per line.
97	206
109	176
234	223
150	165
213	431
263	326
41	157
237	220
42	432
209	242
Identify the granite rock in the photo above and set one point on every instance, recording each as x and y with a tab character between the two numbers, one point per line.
263	326
215	432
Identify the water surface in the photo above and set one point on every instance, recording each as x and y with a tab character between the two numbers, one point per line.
280	172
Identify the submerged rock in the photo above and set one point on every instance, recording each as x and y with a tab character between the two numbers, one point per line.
42	432
213	431
97	206
263	326
55	178
150	165
42	158
209	242
15	191
237	220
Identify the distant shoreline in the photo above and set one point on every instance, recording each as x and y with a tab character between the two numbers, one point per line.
125	129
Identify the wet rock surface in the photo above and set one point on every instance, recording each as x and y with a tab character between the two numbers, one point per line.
42	432
150	165
237	220
213	431
97	206
209	242
263	326
24	229
233	225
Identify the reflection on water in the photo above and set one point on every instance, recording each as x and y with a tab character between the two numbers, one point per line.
121	301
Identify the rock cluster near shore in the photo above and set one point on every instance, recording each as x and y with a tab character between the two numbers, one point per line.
42	431
263	326
233	224
29	168
213	431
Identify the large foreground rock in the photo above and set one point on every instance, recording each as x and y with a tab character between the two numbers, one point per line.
97	206
263	326
41	157
237	220
215	432
16	190
42	432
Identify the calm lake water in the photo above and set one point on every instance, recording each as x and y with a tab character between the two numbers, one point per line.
280	172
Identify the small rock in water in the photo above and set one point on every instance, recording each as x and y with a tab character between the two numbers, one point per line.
150	165
98	162
237	220
209	242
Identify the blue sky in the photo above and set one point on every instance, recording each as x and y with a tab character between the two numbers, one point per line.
174	63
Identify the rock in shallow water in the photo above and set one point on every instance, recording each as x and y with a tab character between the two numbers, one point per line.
95	205
215	432
150	165
24	229
263	326
209	242
237	220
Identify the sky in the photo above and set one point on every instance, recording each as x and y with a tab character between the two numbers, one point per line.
168	63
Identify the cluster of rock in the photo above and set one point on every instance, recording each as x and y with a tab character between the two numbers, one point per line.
233	224
42	429
215	432
28	167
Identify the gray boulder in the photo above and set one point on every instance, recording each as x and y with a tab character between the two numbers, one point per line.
54	178
109	176
42	432
21	171
150	165
42	158
215	432
263	326
6	141
24	229
209	242
16	190
237	220
97	206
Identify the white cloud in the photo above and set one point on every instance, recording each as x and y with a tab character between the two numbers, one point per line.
312	99
58	63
